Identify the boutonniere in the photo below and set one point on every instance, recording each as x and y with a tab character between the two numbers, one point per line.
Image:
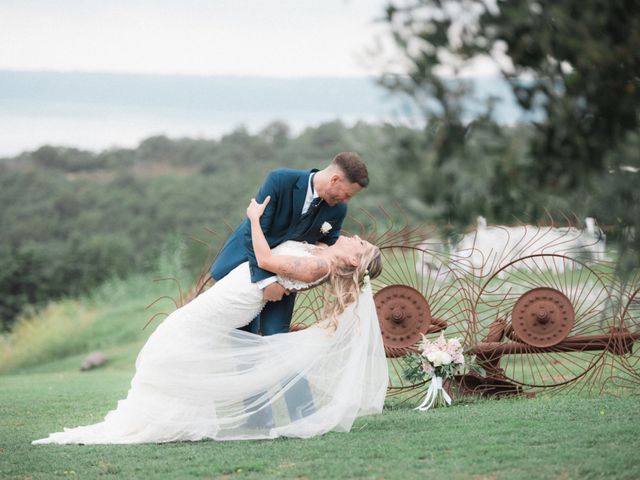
326	228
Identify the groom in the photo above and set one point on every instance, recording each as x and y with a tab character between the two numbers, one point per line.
305	205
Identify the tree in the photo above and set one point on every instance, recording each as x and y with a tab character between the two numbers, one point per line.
573	66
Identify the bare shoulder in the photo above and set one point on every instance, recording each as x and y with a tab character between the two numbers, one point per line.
305	269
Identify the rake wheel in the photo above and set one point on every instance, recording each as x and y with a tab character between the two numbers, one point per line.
536	299
542	317
630	324
404	315
307	310
416	296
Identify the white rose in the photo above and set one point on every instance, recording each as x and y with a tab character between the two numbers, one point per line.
435	358
446	358
439	358
326	228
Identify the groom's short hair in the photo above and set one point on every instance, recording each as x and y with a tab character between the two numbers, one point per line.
353	167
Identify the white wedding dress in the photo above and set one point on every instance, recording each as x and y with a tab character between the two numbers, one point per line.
198	377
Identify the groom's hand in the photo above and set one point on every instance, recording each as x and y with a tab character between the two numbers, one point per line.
273	292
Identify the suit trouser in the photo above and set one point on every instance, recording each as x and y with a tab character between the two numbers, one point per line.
276	318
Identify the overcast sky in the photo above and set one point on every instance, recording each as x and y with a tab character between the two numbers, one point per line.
281	38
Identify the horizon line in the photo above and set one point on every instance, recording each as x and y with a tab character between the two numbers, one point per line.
221	75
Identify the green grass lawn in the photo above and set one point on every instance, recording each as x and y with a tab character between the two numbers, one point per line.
545	437
42	390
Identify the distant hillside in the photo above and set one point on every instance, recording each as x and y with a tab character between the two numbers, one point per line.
72	219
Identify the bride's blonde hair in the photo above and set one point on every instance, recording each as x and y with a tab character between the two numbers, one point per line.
344	283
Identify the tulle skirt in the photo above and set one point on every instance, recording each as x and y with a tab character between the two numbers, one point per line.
198	377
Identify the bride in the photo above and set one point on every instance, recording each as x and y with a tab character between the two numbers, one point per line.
198	377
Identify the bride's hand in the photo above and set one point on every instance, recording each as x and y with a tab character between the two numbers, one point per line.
255	209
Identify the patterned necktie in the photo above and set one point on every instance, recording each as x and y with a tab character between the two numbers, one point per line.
315	203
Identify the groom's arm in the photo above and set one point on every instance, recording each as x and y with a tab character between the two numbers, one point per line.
270	187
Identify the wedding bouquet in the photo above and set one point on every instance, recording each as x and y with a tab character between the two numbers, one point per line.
438	360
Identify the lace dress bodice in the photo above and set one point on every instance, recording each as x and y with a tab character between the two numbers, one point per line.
296	249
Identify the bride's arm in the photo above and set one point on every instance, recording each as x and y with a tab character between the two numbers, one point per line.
305	269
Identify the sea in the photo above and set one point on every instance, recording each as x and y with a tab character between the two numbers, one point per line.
97	111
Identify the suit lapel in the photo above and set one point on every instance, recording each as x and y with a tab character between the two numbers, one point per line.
299	194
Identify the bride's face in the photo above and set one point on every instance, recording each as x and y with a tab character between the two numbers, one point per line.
351	247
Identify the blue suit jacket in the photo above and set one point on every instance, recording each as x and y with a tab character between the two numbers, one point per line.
288	189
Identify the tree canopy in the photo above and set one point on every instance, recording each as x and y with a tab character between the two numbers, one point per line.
573	67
